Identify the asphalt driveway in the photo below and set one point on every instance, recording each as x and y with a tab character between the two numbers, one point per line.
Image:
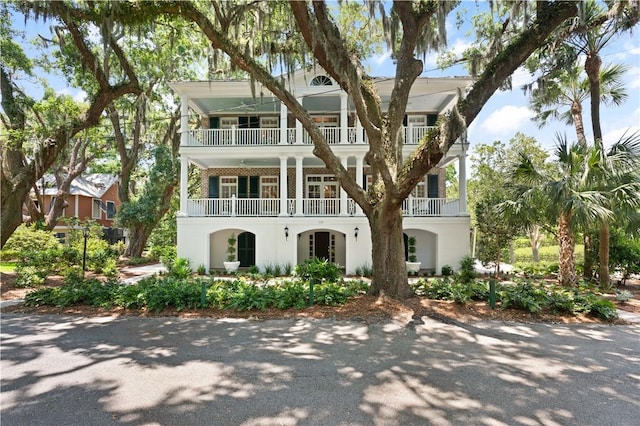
59	370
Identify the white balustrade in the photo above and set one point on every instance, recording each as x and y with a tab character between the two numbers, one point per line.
271	136
270	207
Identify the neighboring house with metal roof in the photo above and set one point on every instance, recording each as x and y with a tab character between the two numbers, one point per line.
91	197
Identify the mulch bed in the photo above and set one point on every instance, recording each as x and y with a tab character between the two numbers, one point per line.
362	308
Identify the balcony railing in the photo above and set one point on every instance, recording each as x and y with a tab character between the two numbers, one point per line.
270	207
272	136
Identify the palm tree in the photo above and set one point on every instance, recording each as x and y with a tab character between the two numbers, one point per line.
593	37
569	90
616	173
564	194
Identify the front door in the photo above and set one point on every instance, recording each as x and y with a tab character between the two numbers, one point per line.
321	245
247	249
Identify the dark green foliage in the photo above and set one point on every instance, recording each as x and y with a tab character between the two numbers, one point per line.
467	271
158	293
319	269
523	296
165	254
180	268
149	207
624	253
412	249
90	292
527	296
447	270
596	306
561	302
447	289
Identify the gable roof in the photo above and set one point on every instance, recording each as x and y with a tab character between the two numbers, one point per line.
91	185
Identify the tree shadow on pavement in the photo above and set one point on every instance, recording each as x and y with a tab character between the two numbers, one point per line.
132	370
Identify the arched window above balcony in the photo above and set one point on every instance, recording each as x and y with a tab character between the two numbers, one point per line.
321	80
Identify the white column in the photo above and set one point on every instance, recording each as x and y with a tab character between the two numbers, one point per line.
462	182
299	186
343	193
299	126
283	187
184	180
184	120
344	122
359	136
283	124
359	179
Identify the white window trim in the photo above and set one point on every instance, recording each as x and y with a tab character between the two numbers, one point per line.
93	205
269	122
322	182
106	213
264	184
417	120
228	122
326	120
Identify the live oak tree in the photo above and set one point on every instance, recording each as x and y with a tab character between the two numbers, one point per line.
145	126
256	35
22	167
142	123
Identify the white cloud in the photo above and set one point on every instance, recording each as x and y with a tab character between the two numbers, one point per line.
380	59
622	129
633	80
506	120
77	94
520	77
459	46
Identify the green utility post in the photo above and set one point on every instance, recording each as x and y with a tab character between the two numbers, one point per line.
311	291
492	293
203	295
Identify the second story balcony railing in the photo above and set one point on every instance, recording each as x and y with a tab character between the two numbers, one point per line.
274	136
270	207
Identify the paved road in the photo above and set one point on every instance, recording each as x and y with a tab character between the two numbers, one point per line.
59	370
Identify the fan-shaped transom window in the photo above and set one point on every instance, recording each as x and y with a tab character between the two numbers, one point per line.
321	80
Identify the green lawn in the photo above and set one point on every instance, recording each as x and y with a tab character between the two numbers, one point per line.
7	266
547	253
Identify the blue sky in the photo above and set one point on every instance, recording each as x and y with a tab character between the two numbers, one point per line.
506	112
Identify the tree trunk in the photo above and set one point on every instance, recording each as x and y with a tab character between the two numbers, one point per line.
512	253
12	197
535	253
592	67
138	237
576	112
587	274
567	265
603	254
389	273
535	238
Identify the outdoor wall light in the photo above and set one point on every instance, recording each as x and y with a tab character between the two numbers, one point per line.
355	232
286	232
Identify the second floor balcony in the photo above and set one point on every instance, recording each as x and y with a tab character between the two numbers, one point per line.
270	207
276	136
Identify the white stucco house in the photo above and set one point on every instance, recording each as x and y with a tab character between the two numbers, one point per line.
261	181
